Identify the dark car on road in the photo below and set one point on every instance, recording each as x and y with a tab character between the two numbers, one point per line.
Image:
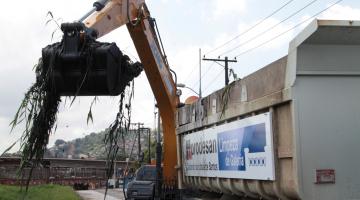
143	186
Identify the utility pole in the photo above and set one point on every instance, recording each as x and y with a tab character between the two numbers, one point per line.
148	130
149	147
158	184
139	136
139	142
200	73
139	139
226	61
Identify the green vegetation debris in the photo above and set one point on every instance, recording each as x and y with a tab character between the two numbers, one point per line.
38	110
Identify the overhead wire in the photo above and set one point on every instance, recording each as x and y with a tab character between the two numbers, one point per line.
195	84
207	71
277	36
269	29
189	75
237	36
213	80
297	25
274	12
244	32
251	28
198	82
203	75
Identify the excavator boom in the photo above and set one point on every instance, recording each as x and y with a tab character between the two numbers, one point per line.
135	15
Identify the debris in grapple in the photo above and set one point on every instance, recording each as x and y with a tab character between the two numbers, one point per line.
84	67
38	109
76	66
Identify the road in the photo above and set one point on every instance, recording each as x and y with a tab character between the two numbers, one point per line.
113	194
117	194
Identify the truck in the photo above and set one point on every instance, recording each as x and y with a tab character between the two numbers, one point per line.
143	186
287	131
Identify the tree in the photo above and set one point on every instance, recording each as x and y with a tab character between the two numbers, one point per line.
59	142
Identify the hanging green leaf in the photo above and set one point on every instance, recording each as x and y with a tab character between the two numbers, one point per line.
89	117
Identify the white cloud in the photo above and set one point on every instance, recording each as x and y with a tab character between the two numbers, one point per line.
255	37
148	2
270	36
248	41
341	12
7	138
222	7
336	12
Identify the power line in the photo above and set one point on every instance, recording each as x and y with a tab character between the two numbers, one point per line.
251	49
271	28
226	66
207	71
189	75
198	81
203	75
251	28
212	82
195	84
274	12
297	25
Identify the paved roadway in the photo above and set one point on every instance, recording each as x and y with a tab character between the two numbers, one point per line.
113	194
117	194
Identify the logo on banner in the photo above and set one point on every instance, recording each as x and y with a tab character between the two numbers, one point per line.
200	148
232	145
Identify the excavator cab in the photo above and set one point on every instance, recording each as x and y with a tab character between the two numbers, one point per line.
81	66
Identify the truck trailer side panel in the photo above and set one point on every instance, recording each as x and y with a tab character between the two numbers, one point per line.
313	97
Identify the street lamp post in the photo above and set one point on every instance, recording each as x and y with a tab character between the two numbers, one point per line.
181	85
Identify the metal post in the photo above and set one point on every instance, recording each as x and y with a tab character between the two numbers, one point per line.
139	142
200	73
158	136
158	185
226	71
114	175
149	150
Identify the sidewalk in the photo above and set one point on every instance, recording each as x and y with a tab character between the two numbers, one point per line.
113	194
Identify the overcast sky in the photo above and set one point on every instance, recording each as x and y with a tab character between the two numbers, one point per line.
185	26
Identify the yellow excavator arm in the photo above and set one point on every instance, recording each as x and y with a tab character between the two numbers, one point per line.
135	15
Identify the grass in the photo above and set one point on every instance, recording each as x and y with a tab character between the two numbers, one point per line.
42	192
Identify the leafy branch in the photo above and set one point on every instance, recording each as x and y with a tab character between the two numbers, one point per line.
39	111
90	115
55	21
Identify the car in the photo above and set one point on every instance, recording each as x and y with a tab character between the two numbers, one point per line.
143	186
111	183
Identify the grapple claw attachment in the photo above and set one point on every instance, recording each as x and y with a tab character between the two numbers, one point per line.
81	66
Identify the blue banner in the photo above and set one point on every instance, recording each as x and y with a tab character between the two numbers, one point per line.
231	145
238	149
